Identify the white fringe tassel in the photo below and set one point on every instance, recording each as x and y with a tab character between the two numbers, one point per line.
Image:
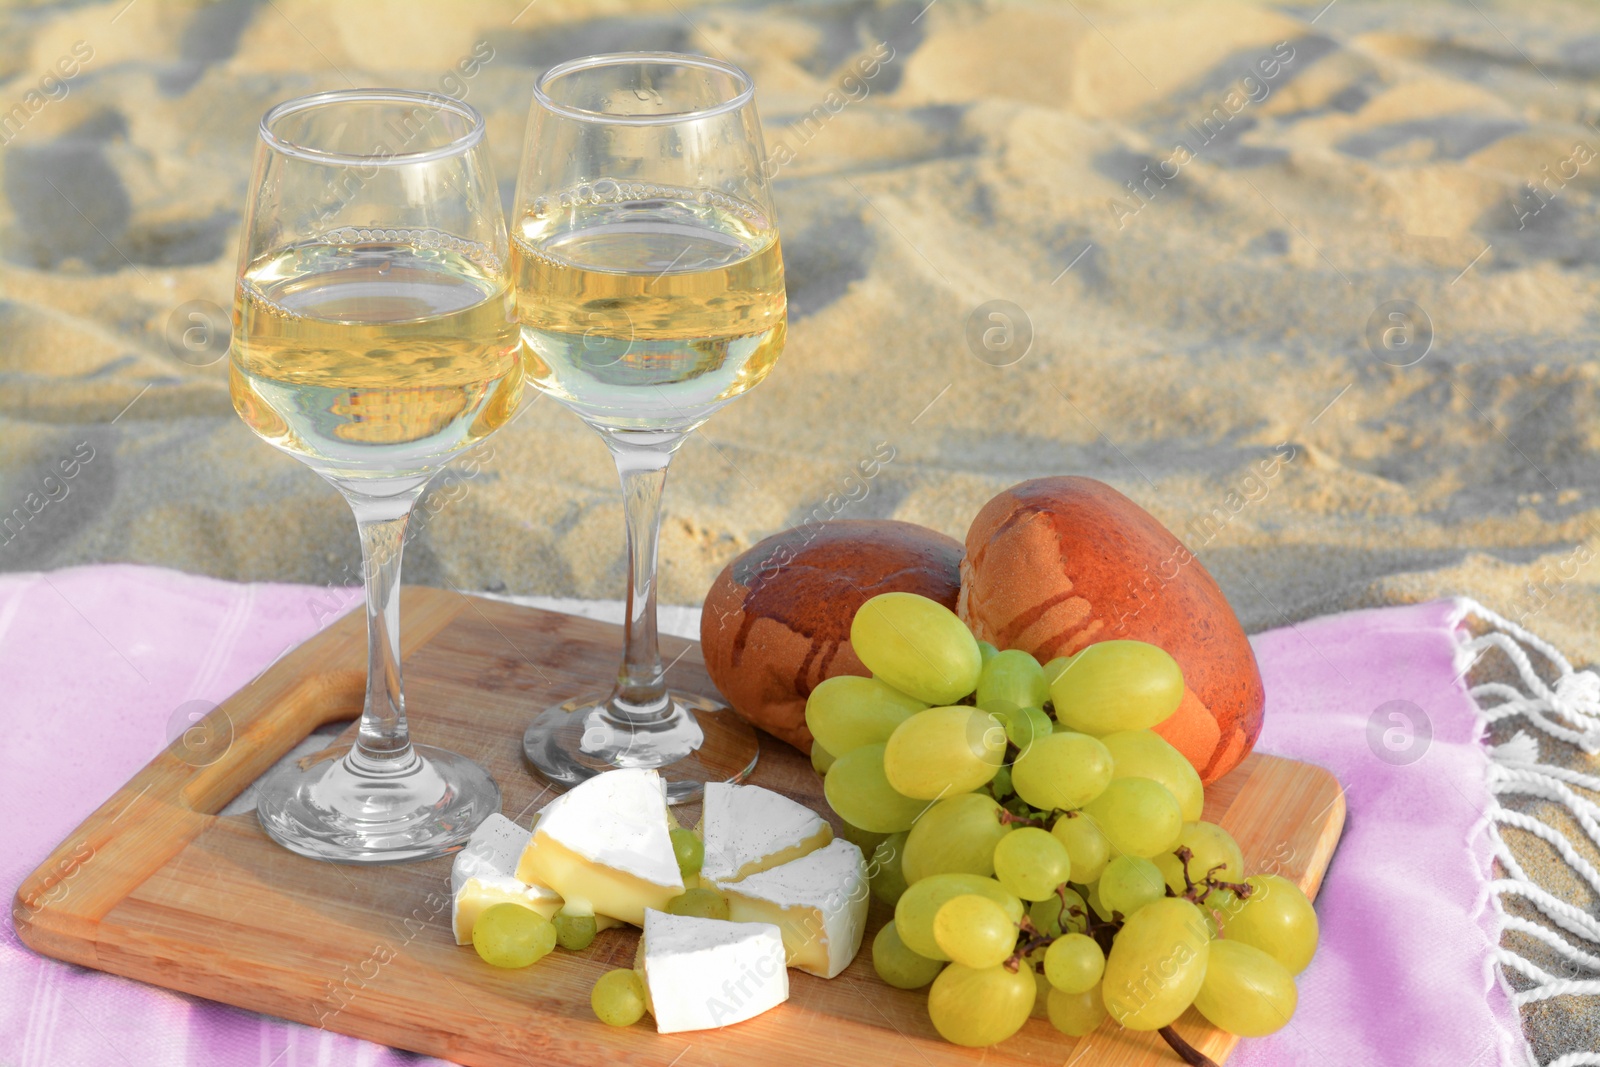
1569	711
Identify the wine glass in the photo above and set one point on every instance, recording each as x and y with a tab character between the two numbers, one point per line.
650	292
374	339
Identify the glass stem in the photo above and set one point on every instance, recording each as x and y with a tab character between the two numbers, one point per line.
641	693
384	743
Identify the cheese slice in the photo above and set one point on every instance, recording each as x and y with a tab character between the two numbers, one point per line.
602	922
604	846
492	851
483	875
704	973
748	829
819	901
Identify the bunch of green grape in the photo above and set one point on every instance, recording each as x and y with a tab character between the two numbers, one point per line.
1038	841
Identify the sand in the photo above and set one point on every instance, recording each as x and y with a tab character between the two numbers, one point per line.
1202	217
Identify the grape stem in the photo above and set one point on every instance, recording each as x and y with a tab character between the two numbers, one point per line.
1187	1052
1102	930
1195	892
1010	818
1034	939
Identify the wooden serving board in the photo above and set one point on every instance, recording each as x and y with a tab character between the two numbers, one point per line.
156	886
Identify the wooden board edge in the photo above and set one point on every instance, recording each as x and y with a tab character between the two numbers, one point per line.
144	960
1322	795
56	908
1321	861
1261	796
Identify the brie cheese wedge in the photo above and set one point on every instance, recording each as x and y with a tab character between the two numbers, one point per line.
703	973
748	829
483	875
819	901
604	846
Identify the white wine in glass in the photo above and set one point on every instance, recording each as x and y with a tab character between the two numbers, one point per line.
644	313
374	340
368	357
650	293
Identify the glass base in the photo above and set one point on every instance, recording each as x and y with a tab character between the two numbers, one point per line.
333	809
696	741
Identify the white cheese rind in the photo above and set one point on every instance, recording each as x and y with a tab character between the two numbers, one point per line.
605	845
706	973
818	901
619	820
482	876
747	829
492	851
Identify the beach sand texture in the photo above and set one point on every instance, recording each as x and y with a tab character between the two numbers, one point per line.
1202	217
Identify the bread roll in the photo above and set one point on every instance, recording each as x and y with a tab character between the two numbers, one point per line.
777	619
1055	564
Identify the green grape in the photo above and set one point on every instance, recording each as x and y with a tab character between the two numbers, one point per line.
1074	963
944	750
974	931
1129	883
1144	754
1037	724
1065	770
897	964
887	868
1023	726
1055	668
1275	918
1092	897
821	758
1031	862
865	840
1246	991
859	791
699	903
1213	927
1017	806
986	651
914	913
1138	816
1076	1014
918	646
1117	685
1012	679
689	850
1211	846
574	932
976	1008
847	711
1000	784
1041	987
1085	843
618	997
956	834
509	935
1156	965
1047	914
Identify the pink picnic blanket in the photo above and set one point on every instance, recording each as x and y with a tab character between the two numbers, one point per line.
101	667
